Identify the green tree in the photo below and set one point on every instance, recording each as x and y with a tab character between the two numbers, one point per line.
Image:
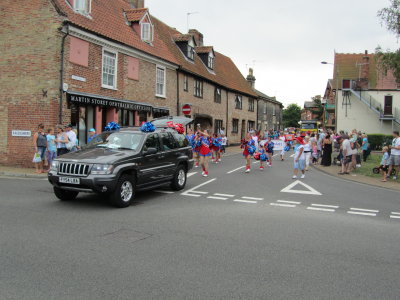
387	59
291	115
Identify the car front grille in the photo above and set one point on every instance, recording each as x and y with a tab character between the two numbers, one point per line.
73	169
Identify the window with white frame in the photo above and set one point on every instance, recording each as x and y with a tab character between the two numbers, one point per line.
147	34
109	71
238	102
235	125
160	81
211	61
82	6
190	52
198	88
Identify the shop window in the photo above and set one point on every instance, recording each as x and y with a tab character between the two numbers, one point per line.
109	70
235	125
125	118
168	141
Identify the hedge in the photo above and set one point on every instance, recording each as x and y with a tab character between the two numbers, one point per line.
377	141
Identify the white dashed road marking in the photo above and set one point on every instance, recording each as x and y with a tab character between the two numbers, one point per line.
324	205
193	190
252	198
283	205
199	192
288	202
245	201
217	198
191	174
224	195
234	170
366	210
363	212
320	209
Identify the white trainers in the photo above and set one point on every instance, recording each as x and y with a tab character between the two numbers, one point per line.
394	177
294	177
203	173
247	171
303	176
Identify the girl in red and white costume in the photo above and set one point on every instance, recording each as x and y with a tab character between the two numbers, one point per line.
204	151
246	143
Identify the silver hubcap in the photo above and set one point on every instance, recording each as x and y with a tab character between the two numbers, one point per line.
181	177
126	191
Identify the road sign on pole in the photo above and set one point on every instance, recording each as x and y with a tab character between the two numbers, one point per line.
187	109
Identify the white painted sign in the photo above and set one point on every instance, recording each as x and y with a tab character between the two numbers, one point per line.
78	78
279	145
23	133
310	190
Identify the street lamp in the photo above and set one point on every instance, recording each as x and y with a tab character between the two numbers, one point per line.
337	88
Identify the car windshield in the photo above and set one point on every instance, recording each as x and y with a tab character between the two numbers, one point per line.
116	140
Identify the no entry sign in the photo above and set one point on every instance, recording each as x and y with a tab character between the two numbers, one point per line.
187	109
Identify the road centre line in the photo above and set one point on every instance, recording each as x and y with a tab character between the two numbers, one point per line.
217	198
190	195
282	205
245	201
288	202
395	217
361	213
197	186
323	205
321	209
237	169
190	174
252	198
366	210
224	195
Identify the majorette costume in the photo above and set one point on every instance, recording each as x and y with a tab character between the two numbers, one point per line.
204	146
249	147
216	144
269	147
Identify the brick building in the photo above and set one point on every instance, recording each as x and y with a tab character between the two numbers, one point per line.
90	62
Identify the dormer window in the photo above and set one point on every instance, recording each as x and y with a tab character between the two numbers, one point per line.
207	55
190	52
211	62
146	30
82	6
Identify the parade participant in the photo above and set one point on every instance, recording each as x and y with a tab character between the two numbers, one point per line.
283	139
196	143
249	149
262	156
215	148
384	163
299	158
204	151
307	151
269	148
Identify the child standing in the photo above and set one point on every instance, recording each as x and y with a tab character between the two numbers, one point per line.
51	146
299	158
314	153
215	148
384	163
263	157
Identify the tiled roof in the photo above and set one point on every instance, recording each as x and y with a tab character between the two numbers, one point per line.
179	37
347	67
107	20
225	72
204	49
268	98
135	15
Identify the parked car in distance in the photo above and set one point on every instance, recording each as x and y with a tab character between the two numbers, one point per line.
120	163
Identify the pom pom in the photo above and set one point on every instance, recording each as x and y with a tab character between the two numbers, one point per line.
111	126
251	150
257	156
177	126
263	157
148	127
286	149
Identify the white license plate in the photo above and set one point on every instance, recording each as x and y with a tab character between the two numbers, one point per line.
69	180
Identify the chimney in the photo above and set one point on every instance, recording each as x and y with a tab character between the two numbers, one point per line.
136	3
251	79
365	66
198	36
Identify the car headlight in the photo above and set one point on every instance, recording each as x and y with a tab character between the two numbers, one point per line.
99	169
54	166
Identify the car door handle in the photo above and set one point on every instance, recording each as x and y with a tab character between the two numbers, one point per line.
161	156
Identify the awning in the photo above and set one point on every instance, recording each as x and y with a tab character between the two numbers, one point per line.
91	99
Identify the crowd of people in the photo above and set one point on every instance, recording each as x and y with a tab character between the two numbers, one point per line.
51	143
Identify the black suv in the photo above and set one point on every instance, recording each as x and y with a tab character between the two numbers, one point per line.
120	163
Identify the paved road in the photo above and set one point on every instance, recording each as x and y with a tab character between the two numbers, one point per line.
229	236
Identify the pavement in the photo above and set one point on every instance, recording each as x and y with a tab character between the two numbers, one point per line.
231	235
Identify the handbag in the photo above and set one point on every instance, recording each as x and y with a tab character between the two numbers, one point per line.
37	158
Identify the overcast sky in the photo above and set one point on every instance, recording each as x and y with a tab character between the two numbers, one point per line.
284	41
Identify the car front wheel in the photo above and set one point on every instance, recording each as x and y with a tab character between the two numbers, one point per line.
179	181
64	195
124	192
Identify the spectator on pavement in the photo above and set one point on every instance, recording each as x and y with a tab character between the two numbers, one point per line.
365	147
51	146
92	135
40	143
347	153
71	137
299	158
384	163
394	161
61	140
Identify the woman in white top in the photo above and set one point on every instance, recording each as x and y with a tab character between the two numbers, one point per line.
307	151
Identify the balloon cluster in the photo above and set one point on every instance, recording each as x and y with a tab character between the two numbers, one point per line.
177	126
147	127
111	126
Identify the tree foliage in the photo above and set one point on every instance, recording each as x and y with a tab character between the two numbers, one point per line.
292	115
389	60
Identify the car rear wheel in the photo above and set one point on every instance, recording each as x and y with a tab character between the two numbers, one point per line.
64	195
179	181
124	192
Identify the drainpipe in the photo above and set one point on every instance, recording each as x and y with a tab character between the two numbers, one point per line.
227	114
177	93
60	116
257	115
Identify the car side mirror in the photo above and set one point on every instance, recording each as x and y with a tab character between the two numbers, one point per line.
150	151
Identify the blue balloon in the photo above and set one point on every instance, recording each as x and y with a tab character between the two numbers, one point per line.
148	127
111	126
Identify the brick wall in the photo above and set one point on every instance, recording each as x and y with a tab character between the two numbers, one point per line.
29	68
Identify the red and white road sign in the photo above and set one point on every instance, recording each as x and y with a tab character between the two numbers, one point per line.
187	109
